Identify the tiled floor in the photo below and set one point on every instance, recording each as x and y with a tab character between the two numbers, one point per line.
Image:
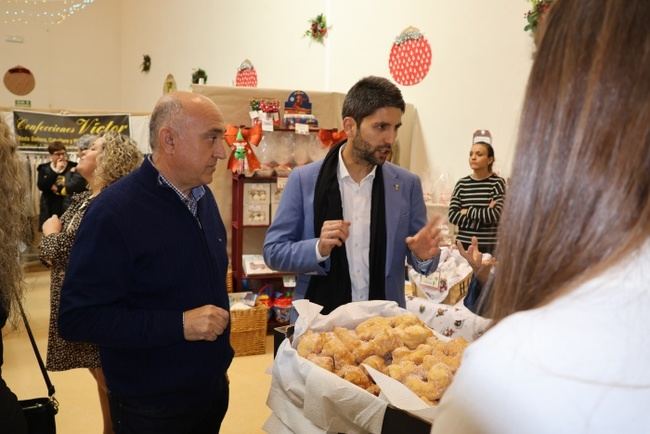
76	390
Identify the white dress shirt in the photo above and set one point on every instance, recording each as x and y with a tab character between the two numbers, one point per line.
356	199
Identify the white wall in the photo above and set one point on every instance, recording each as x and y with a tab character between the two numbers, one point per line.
76	63
481	58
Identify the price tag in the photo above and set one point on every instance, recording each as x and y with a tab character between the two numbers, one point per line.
281	181
302	129
267	123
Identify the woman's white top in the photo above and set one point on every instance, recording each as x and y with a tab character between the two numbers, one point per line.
580	364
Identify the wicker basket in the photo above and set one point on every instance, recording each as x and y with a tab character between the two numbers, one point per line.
458	291
248	330
229	280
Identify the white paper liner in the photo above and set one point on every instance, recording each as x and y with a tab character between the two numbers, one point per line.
308	399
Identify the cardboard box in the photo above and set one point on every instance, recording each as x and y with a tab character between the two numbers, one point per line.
274	208
275	194
257	193
256	214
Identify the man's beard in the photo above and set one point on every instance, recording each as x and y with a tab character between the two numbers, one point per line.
365	152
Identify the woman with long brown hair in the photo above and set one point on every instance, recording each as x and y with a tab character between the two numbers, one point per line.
568	351
12	219
109	158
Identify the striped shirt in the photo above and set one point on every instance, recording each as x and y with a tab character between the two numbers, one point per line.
480	221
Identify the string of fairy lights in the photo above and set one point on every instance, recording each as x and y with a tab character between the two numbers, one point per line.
40	11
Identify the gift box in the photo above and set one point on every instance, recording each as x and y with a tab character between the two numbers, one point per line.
257	193
256	215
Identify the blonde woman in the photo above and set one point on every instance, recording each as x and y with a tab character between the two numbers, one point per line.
108	159
12	218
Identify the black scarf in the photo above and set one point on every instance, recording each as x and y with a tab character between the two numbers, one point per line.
334	289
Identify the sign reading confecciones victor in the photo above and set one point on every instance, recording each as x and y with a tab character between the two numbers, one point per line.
36	130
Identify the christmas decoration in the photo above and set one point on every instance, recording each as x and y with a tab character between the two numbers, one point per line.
169	85
536	13
410	57
242	158
145	66
198	75
246	75
19	80
331	137
318	29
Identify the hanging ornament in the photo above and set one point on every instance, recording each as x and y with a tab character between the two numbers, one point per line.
242	158
246	75
410	57
145	66
538	10
318	29
19	80
169	85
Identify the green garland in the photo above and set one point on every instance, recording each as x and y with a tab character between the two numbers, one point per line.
535	14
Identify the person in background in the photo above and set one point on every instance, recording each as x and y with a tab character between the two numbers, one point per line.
51	181
477	200
568	350
346	224
110	157
13	218
146	280
74	182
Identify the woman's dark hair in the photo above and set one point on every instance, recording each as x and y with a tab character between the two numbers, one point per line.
370	94
580	194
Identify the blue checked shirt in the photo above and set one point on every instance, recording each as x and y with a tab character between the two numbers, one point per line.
191	201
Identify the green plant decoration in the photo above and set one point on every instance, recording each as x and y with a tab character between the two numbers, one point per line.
199	74
536	13
145	66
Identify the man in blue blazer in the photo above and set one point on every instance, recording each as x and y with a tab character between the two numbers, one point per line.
345	224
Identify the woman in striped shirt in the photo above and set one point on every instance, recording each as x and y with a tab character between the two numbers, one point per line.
478	198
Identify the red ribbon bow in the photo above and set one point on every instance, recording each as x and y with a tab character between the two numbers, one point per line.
249	136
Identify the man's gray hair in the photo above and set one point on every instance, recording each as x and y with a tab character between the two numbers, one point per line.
165	110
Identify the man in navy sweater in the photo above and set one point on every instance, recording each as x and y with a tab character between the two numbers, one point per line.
146	279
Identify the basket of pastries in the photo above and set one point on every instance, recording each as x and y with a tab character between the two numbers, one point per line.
341	370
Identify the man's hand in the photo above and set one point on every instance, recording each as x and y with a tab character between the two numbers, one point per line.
205	323
475	258
332	234
52	225
425	243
